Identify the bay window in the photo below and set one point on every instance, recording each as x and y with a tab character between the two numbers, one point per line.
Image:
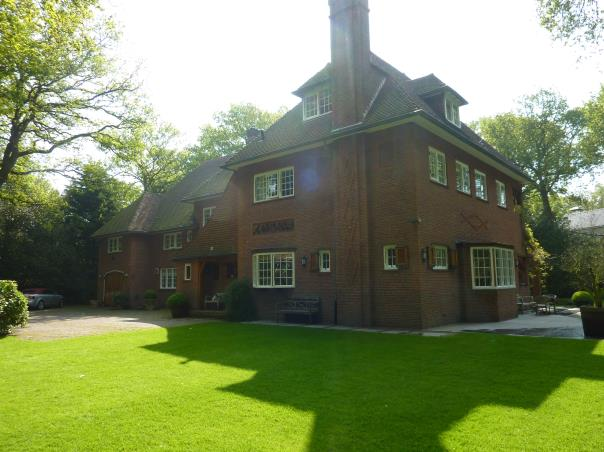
492	268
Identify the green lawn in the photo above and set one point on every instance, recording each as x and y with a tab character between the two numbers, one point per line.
249	387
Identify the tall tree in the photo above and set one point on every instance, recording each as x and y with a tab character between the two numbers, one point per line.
227	134
92	199
574	22
146	152
551	142
57	84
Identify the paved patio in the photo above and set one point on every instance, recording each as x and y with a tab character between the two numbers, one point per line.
566	324
74	321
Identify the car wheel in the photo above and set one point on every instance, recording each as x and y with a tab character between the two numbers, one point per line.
40	305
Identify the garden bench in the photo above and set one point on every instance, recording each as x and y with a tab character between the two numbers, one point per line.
525	303
303	305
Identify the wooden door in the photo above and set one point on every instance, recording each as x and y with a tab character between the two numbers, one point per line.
114	283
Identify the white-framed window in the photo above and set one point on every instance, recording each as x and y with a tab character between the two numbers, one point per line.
274	184
172	241
275	270
452	110
188	272
317	103
167	278
189	236
390	257
324	261
207	214
480	182
462	177
438	166
441	257
501	194
114	245
493	268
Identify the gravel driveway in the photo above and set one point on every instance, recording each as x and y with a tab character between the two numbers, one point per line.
84	320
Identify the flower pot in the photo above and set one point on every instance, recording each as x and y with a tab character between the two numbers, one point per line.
179	311
593	322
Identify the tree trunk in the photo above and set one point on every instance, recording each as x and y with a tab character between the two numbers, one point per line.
547	207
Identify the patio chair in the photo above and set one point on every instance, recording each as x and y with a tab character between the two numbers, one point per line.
215	299
525	303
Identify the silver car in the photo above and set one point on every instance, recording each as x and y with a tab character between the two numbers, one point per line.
43	298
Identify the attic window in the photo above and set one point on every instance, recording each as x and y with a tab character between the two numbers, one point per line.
452	110
317	103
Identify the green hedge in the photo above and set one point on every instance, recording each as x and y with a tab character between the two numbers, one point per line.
583	298
177	300
239	301
13	307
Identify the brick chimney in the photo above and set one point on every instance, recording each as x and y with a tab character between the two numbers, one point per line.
350	60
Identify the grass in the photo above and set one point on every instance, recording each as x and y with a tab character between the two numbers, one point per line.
249	387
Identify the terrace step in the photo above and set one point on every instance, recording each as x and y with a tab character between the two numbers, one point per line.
208	314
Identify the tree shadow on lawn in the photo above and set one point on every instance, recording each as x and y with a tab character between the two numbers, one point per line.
371	391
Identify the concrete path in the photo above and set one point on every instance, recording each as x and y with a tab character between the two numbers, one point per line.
84	320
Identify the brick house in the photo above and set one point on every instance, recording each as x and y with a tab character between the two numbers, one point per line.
370	193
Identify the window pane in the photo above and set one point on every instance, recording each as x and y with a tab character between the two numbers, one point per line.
272	185
438	166
310	106
481	267
260	187
283	265
264	270
481	186
325	264
504	268
501	198
441	258
324	101
287	182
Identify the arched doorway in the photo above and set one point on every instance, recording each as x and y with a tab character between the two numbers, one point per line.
113	283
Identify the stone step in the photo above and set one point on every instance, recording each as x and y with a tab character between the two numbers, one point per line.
207	314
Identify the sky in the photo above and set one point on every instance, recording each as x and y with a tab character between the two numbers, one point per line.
197	57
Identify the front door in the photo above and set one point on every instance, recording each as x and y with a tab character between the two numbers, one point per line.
115	282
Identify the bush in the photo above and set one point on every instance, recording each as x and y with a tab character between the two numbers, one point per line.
150	294
13	307
239	302
150	297
583	298
178	304
121	300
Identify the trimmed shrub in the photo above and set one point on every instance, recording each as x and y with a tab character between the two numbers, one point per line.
121	300
583	298
239	301
13	307
150	294
150	297
178	304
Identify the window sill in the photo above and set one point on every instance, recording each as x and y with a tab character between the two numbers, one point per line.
465	193
391	269
483	200
502	207
440	184
494	288
281	198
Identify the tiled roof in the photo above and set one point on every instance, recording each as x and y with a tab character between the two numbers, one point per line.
320	77
397	96
170	210
588	219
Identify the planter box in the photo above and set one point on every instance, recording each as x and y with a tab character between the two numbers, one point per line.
179	311
593	322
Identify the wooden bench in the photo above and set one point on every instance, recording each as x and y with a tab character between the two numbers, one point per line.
301	305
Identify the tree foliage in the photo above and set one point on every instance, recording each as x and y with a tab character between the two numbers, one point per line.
227	135
551	142
146	152
57	84
584	259
574	22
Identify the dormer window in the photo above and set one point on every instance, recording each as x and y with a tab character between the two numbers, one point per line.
452	110
317	103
